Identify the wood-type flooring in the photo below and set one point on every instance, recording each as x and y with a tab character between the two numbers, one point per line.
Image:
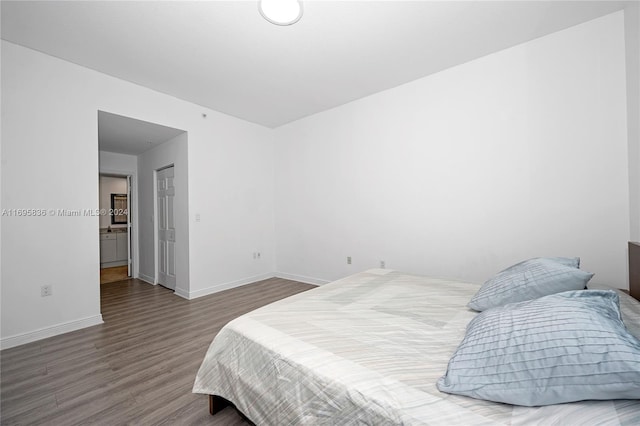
136	368
117	273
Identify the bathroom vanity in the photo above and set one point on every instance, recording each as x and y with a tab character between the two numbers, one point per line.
113	247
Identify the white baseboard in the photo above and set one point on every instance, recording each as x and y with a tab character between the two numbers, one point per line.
224	286
43	333
113	264
54	330
301	278
146	278
182	293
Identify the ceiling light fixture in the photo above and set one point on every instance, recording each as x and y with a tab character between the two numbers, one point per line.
281	12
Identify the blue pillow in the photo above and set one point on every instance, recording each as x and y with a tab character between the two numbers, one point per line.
530	279
573	262
565	347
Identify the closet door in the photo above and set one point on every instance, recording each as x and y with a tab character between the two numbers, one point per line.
166	228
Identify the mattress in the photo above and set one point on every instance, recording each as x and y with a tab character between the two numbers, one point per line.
368	349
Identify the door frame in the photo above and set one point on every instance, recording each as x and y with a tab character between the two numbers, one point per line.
134	202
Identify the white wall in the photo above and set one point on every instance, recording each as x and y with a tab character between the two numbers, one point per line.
50	161
632	46
110	185
518	154
521	153
119	164
234	197
2	162
50	141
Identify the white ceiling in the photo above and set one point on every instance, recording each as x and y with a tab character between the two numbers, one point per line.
225	56
126	135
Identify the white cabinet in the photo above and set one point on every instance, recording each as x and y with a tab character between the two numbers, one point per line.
121	245
113	249
107	248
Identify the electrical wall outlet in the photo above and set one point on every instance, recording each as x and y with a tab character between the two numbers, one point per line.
348	260
46	290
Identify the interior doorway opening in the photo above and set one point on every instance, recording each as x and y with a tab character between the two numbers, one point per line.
115	229
137	148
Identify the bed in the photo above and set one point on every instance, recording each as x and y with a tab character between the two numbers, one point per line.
369	349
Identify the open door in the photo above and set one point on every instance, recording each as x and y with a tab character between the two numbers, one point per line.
129	229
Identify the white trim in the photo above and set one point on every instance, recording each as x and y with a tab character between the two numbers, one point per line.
301	278
155	227
113	264
224	286
43	333
133	174
182	293
146	278
250	280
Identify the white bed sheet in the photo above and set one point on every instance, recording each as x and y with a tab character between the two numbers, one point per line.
368	349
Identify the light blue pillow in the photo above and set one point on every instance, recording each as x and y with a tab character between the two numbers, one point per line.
565	347
573	262
530	279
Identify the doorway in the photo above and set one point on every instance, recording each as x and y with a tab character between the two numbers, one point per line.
115	228
129	146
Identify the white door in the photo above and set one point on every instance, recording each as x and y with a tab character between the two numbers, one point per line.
129	263
166	229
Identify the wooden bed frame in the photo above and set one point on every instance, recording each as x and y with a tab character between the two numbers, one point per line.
217	403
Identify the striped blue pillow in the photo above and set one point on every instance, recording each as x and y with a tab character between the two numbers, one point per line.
565	347
530	279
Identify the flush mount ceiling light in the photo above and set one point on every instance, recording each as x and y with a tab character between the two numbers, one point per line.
281	12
